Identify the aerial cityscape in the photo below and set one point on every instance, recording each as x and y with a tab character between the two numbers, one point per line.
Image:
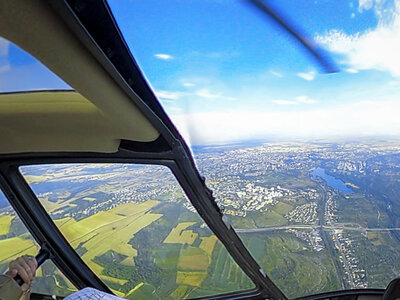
317	216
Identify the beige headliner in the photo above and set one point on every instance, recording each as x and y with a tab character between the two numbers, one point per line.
57	121
63	121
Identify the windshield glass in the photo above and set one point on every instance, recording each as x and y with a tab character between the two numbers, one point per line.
135	229
20	71
305	164
15	241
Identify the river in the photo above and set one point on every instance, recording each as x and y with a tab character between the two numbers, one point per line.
334	183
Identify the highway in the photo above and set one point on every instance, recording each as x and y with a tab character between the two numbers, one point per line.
337	226
343	270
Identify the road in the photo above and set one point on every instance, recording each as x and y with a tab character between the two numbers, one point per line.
331	240
312	227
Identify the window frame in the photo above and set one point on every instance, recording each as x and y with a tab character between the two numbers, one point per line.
96	30
46	233
169	168
95	27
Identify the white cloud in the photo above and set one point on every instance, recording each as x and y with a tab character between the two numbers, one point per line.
365	4
205	93
375	49
188	84
395	83
365	118
305	100
202	93
307	75
229	98
284	102
351	70
368	4
298	100
163	56
276	74
168	95
4	47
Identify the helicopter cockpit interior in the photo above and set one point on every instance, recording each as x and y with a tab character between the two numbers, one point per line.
202	149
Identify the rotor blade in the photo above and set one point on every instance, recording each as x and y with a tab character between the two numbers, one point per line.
309	45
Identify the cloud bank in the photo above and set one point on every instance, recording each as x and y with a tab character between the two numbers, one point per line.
364	118
298	100
375	49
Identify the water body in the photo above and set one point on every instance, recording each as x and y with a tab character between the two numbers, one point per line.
334	183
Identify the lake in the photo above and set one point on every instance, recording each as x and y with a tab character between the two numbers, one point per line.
334	183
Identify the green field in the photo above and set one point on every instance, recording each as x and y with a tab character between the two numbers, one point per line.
193	259
141	250
260	220
292	264
282	208
208	244
379	252
14	247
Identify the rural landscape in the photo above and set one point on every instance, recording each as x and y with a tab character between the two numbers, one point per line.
317	216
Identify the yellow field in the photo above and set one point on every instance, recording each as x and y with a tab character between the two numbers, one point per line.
128	209
208	244
128	261
114	280
372	235
48	205
109	230
179	235
73	230
194	259
14	247
375	238
190	278
134	289
62	221
180	292
118	293
5	223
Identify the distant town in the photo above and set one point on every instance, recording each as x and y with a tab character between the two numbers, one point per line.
330	204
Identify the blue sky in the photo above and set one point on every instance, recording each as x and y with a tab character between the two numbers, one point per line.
226	73
19	71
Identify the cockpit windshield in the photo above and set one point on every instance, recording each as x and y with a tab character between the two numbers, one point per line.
304	164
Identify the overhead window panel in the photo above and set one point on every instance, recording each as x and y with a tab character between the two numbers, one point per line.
19	71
